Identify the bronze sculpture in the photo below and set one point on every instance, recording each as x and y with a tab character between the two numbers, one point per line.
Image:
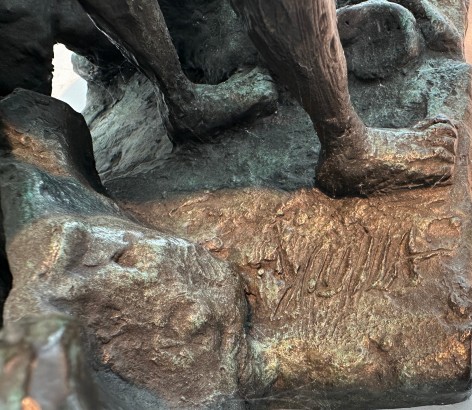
326	302
305	44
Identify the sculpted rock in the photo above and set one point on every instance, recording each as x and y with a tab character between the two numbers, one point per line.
436	22
157	310
43	132
48	134
123	147
378	38
42	366
347	297
243	285
41	139
161	311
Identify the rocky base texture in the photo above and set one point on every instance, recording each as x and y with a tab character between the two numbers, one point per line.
217	275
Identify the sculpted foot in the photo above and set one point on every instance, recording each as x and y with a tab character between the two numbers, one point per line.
390	159
212	107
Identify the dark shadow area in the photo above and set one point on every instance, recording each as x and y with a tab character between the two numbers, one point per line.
5	274
209	37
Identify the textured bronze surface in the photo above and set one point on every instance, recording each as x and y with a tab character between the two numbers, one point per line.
219	275
365	295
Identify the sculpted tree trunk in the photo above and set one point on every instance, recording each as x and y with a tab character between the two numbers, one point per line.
301	43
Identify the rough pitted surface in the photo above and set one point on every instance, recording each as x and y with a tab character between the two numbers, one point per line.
317	269
125	148
163	313
378	38
281	151
357	305
227	279
148	298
